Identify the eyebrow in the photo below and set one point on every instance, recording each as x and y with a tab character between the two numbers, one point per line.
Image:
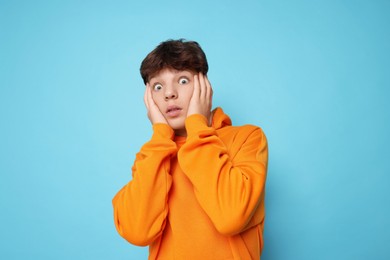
186	74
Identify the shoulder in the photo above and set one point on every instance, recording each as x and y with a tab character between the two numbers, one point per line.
235	137
242	131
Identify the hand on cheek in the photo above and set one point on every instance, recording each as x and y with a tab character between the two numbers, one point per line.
201	100
154	113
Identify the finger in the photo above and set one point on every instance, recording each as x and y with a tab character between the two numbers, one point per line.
196	92
209	89
146	96
150	97
202	86
147	103
152	104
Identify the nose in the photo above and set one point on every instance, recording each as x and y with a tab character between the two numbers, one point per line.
170	93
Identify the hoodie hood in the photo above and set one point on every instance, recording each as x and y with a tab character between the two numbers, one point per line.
220	119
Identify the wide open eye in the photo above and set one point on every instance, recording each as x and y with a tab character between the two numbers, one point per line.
183	80
157	87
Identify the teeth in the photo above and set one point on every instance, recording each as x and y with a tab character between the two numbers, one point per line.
173	109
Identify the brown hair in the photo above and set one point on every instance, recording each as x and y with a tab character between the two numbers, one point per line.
174	54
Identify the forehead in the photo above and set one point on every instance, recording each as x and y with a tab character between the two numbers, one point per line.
168	74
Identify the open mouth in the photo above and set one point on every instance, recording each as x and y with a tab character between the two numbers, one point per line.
173	111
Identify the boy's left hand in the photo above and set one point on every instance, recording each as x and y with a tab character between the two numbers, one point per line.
201	100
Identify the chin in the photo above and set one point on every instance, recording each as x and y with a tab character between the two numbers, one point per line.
176	126
176	122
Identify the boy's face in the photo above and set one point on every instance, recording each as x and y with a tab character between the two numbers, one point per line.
172	91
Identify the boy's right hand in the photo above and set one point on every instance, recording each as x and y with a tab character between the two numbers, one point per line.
154	114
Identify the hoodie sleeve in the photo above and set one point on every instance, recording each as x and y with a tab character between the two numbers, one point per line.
140	207
228	189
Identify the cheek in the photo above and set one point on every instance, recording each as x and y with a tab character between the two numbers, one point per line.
188	93
191	91
158	99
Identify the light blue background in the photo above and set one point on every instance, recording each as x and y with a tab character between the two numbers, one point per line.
313	74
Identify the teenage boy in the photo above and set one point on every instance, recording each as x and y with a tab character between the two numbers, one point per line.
197	190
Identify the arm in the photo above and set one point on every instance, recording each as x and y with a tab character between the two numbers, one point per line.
228	189
140	208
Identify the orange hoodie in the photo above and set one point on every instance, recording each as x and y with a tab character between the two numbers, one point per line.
197	197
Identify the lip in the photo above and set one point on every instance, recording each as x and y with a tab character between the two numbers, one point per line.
173	111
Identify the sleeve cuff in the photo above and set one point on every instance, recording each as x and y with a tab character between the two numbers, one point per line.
196	123
162	131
